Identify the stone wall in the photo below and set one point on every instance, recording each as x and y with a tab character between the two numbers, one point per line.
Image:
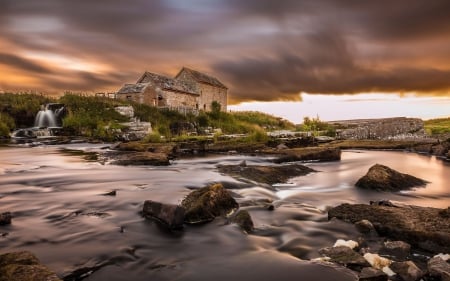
209	93
147	97
177	100
386	128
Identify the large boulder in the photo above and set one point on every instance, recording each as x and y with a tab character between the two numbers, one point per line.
170	215
383	178
206	203
265	174
24	266
422	227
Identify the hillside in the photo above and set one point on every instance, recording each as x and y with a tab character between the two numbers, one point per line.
437	126
95	117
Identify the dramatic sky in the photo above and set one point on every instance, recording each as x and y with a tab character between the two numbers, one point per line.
264	50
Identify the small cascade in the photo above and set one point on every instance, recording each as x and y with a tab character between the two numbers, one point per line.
50	116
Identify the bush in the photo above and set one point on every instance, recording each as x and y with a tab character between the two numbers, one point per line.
153	137
257	135
22	107
92	116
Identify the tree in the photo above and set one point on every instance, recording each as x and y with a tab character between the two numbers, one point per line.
215	109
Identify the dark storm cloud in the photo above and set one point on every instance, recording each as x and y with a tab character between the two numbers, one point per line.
383	18
23	64
262	49
285	77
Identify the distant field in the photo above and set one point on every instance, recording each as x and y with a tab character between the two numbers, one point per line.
438	126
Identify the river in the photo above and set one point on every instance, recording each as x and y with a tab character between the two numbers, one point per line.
61	215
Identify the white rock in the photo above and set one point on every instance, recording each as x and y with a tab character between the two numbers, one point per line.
376	261
346	243
322	259
445	257
388	271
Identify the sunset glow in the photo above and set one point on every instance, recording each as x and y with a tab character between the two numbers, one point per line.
394	61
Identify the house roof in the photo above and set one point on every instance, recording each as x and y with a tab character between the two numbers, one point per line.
133	88
167	83
202	78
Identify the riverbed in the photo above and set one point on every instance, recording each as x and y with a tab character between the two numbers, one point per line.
61	213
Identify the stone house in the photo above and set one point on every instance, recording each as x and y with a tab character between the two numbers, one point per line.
190	90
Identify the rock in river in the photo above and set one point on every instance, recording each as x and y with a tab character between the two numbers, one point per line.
310	154
345	256
24	266
204	204
383	178
422	227
5	218
244	220
265	174
141	158
170	215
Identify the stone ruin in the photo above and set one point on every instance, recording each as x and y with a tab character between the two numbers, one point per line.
385	128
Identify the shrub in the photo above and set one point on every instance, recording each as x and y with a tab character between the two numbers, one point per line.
153	137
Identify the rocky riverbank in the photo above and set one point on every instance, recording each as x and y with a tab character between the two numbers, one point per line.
397	242
282	150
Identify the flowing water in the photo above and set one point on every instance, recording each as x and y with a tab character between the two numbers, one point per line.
60	214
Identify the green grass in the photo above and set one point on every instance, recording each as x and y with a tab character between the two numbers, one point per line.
437	126
95	117
18	110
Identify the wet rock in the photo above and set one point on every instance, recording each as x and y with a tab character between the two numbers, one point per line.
439	268
382	203
383	178
397	250
170	215
376	261
372	274
365	226
141	158
5	218
346	243
24	266
265	174
244	220
204	204
445	213
309	154
282	146
110	193
407	270
421	227
345	256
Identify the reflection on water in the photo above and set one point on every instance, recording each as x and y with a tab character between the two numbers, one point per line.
60	214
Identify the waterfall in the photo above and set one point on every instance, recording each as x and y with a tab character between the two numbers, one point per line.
50	115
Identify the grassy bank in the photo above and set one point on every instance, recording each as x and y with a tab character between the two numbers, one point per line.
437	126
19	110
95	117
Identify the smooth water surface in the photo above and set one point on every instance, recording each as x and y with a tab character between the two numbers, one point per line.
60	214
